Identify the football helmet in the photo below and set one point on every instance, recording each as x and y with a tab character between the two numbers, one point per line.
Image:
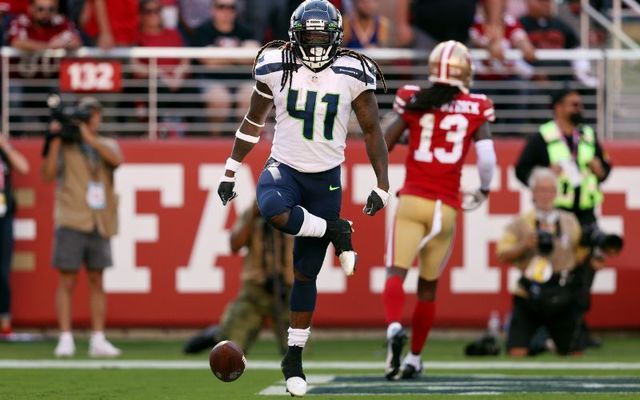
316	33
450	63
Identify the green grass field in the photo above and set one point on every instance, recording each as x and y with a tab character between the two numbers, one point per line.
156	369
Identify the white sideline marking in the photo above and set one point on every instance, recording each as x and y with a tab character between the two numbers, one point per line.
315	365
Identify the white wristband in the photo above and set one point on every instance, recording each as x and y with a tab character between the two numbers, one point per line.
384	195
232	165
257	125
247	138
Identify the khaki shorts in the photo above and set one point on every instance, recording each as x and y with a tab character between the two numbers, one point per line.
72	248
423	228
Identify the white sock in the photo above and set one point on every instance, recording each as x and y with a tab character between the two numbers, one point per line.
413	359
312	226
393	328
66	335
97	335
298	337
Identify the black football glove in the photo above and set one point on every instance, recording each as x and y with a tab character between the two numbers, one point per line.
376	201
225	189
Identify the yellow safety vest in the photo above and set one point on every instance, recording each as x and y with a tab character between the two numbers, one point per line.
590	193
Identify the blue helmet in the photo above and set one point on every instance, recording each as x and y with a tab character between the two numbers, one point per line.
316	33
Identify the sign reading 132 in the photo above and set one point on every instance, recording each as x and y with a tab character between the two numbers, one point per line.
90	76
308	113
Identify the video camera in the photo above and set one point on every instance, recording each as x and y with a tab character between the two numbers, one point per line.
69	117
601	242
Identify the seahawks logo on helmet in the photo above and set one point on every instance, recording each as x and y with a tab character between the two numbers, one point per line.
316	33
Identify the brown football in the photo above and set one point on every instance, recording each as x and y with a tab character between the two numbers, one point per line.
227	361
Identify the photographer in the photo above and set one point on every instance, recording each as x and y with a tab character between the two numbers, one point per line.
571	149
267	275
85	214
545	245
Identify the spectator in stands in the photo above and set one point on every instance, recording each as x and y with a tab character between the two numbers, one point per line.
42	28
544	244
548	32
515	37
365	27
115	24
224	30
518	72
10	159
267	276
269	19
172	72
85	217
422	24
192	14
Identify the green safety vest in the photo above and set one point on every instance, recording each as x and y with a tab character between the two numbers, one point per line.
590	193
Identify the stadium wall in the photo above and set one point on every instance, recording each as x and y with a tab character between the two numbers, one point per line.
173	266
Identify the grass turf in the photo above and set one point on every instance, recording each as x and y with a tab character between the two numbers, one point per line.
44	384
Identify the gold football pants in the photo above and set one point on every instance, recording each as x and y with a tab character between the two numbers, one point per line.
423	228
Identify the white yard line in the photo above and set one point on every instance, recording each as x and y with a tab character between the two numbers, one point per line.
316	365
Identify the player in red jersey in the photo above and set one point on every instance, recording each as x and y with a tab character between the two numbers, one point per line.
442	121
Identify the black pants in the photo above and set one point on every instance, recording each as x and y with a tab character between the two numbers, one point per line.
6	251
526	319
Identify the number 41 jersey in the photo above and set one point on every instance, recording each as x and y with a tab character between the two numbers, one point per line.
439	140
313	113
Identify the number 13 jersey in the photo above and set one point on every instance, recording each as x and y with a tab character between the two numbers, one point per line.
439	140
312	115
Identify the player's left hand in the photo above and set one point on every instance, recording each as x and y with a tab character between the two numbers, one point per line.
225	189
376	201
473	200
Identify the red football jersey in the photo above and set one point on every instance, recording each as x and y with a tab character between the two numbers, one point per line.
22	27
438	143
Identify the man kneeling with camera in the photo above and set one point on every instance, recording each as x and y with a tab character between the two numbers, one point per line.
545	245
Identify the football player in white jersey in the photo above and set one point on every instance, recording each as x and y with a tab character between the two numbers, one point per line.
314	84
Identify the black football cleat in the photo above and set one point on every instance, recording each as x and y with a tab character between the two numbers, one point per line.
291	365
394	351
339	233
409	371
204	340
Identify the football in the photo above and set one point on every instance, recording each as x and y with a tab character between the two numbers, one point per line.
227	361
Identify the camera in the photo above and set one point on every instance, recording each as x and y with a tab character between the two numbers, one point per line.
545	242
68	116
594	237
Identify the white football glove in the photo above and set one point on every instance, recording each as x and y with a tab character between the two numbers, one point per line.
473	200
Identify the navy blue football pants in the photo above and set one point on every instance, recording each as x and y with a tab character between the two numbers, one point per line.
280	188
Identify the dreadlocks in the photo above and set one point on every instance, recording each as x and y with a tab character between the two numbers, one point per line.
433	97
289	65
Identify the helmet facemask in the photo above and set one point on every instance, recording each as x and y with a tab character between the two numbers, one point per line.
316	33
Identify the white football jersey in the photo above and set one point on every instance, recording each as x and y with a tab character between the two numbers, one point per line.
312	114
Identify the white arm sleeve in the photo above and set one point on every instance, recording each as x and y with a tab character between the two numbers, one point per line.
486	162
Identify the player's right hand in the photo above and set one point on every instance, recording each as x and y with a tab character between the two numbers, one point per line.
225	189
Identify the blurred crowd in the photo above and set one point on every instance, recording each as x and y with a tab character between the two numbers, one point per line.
495	25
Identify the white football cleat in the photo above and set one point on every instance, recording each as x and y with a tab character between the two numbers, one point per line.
296	386
348	261
101	347
65	347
